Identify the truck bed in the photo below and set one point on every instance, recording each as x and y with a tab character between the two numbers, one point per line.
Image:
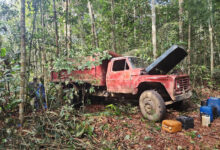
95	76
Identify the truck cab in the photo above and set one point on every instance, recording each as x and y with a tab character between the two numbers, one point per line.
127	75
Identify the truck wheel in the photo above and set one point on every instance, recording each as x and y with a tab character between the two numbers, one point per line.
152	105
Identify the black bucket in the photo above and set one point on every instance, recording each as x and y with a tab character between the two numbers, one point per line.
204	103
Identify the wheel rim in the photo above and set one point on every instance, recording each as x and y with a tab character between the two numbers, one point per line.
148	106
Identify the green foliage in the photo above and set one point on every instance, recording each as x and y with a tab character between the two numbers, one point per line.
129	109
3	52
201	76
169	33
81	60
13	104
8	81
199	73
216	77
195	97
61	128
113	109
154	127
191	134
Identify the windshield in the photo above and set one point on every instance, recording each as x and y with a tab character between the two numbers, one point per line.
137	62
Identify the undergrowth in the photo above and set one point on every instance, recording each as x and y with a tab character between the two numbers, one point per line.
61	128
64	128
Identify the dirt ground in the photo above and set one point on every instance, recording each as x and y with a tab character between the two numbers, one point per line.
133	132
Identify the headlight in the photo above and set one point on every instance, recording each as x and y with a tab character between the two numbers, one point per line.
178	85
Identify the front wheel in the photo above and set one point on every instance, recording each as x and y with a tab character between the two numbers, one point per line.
152	105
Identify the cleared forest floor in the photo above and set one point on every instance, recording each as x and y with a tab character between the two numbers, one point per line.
107	126
134	132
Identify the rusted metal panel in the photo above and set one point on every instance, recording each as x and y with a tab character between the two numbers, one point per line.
119	81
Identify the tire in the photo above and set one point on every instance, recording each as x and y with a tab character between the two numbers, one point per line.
152	105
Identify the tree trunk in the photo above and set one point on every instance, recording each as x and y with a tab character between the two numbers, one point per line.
113	26
189	46
211	38
181	20
181	31
135	30
56	28
211	47
91	14
205	45
44	55
31	42
153	10
67	31
35	61
23	63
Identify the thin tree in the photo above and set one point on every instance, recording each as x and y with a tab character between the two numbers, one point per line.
153	11
93	28
32	36
189	46
67	28
56	28
67	7
181	20
211	37
135	30
43	50
113	25
23	63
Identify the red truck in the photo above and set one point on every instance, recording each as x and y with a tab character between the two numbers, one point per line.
128	77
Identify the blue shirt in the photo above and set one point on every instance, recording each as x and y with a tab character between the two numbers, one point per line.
40	91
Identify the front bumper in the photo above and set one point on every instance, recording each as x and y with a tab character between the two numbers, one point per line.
183	96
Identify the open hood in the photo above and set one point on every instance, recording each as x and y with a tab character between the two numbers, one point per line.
167	61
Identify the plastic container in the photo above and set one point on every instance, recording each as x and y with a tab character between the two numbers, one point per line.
171	126
205	120
207	110
187	122
214	102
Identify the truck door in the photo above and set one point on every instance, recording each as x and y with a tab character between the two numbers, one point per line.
119	77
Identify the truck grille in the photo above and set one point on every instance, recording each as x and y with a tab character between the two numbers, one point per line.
182	84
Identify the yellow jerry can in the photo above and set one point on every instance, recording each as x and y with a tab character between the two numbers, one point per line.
171	126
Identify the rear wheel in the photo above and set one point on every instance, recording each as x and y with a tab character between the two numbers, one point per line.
152	105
